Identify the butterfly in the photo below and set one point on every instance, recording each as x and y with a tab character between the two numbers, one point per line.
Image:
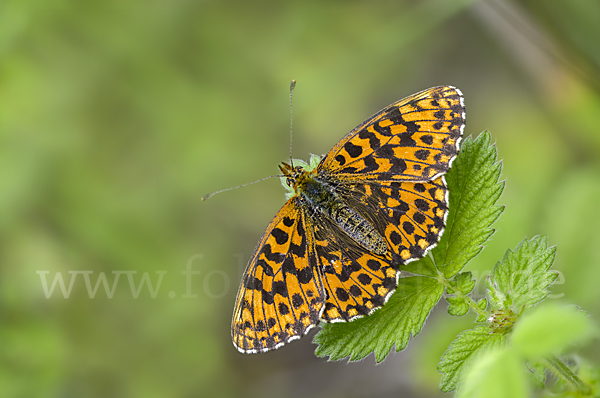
373	203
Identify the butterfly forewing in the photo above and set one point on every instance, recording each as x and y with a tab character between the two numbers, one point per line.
414	139
281	296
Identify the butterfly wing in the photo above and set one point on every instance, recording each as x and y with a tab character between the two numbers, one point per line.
356	281
414	139
389	170
411	216
281	295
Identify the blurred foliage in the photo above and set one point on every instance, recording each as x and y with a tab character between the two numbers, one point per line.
116	117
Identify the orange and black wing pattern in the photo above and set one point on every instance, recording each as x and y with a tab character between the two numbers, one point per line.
384	183
390	170
414	139
281	297
356	281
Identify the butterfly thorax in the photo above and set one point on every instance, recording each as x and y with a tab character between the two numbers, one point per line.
320	196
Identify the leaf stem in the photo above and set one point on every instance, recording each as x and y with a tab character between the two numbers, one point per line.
563	371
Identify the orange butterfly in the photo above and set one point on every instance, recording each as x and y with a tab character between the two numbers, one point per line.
376	201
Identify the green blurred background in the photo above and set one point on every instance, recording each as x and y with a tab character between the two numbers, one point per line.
116	117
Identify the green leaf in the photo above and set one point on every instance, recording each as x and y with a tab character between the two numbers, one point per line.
521	279
424	266
496	374
483	305
467	346
458	306
463	283
473	191
402	316
549	329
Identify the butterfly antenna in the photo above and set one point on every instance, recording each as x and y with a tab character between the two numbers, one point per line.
292	87
210	195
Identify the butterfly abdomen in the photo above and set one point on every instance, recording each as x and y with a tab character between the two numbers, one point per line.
320	196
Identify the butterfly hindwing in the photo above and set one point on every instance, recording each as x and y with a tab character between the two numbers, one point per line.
414	139
281	295
356	281
410	217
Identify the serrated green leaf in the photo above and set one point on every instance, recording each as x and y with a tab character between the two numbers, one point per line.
402	317
473	191
467	346
522	278
464	282
496	374
458	306
549	329
483	305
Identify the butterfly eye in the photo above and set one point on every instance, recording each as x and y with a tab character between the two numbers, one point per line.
290	182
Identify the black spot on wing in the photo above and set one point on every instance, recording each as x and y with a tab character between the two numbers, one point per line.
340	159
289	267
422	154
364	279
408	227
419	218
279	287
427	139
281	237
297	300
253	283
395	238
269	255
406	138
374	142
373	264
422	204
305	275
283	309
353	150
370	165
342	294
420	188
266	268
267	297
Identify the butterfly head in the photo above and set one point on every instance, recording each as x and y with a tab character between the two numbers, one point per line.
291	174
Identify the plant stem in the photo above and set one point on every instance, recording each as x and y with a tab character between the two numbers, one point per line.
562	370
